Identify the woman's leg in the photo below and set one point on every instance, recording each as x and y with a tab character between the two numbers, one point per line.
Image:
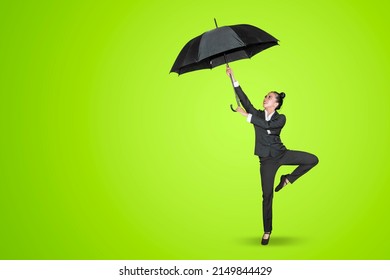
267	171
306	161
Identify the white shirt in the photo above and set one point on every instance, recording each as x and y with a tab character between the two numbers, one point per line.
267	118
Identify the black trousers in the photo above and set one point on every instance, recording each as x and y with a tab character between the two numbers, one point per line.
268	168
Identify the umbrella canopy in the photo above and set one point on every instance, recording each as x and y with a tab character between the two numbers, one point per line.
222	45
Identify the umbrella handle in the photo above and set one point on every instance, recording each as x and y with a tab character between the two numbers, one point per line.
238	103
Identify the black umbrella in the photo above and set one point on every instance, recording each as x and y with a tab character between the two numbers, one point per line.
221	46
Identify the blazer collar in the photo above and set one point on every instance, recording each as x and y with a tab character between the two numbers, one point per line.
275	115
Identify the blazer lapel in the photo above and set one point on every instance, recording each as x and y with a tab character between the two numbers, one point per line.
275	115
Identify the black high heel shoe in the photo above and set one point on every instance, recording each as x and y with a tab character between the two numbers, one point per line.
282	183
265	241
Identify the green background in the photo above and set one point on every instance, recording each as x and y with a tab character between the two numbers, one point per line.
105	155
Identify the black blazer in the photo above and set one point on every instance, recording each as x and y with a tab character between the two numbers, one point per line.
267	145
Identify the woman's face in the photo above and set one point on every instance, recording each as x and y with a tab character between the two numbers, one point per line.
270	101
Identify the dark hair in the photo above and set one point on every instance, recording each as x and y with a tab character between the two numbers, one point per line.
279	98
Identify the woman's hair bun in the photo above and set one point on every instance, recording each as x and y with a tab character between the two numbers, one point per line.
279	98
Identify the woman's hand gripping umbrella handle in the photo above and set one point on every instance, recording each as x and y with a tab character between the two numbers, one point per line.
229	72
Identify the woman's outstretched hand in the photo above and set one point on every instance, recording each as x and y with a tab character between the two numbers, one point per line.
242	111
229	71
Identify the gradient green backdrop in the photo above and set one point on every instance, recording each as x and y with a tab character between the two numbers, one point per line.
105	155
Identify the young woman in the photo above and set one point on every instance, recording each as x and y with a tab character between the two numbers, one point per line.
268	124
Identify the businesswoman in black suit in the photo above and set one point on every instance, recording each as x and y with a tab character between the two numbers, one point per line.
268	124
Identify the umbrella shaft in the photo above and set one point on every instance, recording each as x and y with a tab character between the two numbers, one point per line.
237	99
